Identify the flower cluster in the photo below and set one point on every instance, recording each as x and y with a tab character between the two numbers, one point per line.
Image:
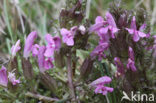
68	35
44	54
107	30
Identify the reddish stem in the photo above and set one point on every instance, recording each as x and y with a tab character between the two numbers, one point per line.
71	86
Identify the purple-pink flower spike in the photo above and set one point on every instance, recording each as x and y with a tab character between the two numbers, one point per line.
133	30
68	35
54	43
3	76
29	43
15	48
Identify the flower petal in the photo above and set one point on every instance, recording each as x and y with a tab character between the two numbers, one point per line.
48	38
29	43
70	41
110	19
57	41
3	76
35	50
141	34
136	37
101	81
49	52
15	48
104	30
64	31
99	19
143	26
131	31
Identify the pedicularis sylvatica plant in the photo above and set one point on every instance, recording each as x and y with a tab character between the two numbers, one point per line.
118	53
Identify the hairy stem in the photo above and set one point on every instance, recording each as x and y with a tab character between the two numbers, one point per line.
40	97
71	86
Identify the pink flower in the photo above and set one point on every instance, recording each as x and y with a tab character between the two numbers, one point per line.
29	43
68	35
131	60
136	33
99	23
48	63
99	51
12	78
111	28
35	50
15	48
99	85
131	65
3	76
105	29
119	65
99	28
103	89
54	43
44	63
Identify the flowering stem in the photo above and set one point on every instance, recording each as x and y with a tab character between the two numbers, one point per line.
71	86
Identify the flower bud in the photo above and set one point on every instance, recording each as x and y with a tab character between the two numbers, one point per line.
59	60
27	69
48	81
86	67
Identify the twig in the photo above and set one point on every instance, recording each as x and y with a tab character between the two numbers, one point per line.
71	86
41	97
